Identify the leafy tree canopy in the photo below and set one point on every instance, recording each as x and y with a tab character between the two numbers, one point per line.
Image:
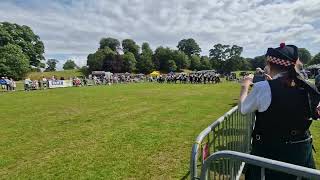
189	47
13	62
69	64
129	62
24	37
315	59
304	55
129	45
109	42
51	65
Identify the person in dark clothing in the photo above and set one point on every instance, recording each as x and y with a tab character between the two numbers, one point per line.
283	112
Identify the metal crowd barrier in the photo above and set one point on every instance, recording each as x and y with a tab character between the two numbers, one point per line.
232	131
264	163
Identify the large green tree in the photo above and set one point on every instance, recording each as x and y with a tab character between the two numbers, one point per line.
13	62
144	63
129	45
245	64
304	55
205	63
219	52
189	47
69	64
106	58
111	43
146	48
233	64
225	57
315	59
129	62
112	61
95	60
23	36
172	67
162	56
181	60
51	65
195	62
258	62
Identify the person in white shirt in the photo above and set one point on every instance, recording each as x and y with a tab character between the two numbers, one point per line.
13	85
282	108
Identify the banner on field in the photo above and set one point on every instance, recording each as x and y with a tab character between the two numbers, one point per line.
60	83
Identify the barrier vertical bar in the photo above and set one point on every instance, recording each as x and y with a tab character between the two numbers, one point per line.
214	150
263	174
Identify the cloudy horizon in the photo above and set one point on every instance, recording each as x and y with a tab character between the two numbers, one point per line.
72	29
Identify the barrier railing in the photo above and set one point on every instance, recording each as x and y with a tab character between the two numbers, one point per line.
232	131
264	163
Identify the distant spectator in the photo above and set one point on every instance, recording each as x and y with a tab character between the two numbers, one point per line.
13	85
35	85
7	83
95	79
40	84
85	81
27	84
44	82
3	83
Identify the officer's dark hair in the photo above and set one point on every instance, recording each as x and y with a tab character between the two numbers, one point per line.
290	78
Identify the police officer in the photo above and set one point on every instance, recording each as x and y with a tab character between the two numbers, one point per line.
282	114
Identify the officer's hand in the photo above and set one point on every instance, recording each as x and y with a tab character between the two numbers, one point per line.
268	77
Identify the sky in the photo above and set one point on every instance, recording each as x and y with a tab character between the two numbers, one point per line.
71	29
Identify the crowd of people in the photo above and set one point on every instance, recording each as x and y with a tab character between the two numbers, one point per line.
8	84
193	78
43	83
114	79
200	77
36	84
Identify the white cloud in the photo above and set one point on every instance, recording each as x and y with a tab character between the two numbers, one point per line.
73	29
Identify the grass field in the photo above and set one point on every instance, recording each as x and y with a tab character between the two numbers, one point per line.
135	131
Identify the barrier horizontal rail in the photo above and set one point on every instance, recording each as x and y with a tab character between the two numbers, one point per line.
263	163
232	131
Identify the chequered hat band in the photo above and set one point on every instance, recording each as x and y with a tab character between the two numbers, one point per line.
279	61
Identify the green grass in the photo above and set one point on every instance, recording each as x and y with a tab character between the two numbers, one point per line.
66	74
137	131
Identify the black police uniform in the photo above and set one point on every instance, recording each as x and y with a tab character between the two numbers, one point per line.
282	131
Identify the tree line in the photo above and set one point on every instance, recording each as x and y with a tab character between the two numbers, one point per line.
22	51
223	58
128	57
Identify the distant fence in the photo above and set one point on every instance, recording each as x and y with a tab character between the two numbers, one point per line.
232	131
